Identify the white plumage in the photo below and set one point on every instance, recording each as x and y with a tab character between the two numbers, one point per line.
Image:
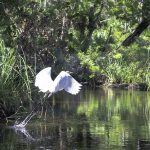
64	81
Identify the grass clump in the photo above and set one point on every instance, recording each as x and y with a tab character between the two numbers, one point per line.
15	82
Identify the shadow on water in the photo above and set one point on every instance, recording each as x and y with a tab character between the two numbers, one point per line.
94	119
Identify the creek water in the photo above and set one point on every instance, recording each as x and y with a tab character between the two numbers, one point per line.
94	119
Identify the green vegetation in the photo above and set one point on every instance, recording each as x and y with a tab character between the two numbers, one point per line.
15	81
91	38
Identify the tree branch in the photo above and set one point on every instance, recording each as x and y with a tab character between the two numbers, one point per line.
138	30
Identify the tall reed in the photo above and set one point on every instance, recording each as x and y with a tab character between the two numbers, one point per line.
15	79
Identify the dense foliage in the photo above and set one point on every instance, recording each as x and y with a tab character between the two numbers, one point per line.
99	41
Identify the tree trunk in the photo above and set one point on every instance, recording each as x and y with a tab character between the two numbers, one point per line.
139	29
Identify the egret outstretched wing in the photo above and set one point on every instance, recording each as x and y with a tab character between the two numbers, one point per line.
67	82
63	81
43	79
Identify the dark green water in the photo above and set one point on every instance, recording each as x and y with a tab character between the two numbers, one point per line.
93	120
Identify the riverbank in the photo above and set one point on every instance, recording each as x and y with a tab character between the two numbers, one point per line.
134	86
125	86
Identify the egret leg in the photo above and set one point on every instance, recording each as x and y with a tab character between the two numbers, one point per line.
29	117
41	112
45	113
26	120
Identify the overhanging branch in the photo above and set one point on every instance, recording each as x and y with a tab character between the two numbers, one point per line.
138	30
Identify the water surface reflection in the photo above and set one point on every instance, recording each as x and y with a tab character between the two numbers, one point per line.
94	119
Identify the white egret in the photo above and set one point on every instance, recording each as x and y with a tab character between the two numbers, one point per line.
64	81
43	80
